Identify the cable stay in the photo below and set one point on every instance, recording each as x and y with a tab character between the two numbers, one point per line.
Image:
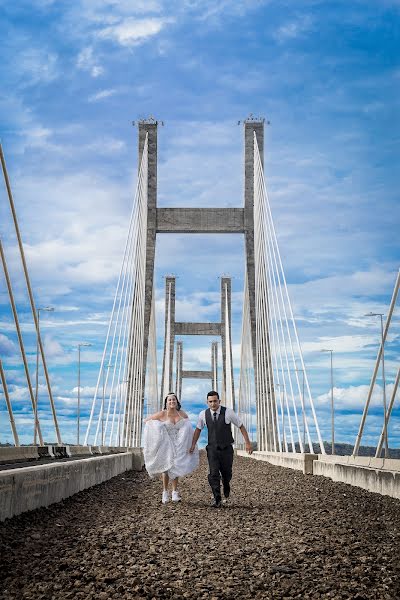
229	387
246	397
33	399
281	401
378	362
152	371
116	413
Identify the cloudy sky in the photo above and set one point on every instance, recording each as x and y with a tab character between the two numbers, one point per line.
74	75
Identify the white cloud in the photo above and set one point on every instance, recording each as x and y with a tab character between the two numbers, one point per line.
341	343
87	62
353	398
214	10
345	294
86	391
101	95
132	32
38	136
293	29
7	346
106	10
106	145
37	66
52	347
21	394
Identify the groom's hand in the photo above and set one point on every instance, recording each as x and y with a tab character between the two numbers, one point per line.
249	448
191	449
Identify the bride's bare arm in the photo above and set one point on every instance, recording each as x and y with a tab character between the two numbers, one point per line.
156	417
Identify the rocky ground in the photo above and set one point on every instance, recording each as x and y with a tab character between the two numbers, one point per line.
283	535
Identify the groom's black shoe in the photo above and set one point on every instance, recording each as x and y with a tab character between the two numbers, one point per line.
216	503
227	490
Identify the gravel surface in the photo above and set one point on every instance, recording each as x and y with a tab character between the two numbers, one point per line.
283	535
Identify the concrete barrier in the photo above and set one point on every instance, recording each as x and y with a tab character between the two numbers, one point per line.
79	450
290	460
28	488
46	451
60	451
116	449
10	454
380	475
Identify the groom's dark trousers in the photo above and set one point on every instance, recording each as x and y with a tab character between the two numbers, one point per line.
219	452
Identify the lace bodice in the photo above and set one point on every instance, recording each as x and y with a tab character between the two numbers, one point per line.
173	429
173	426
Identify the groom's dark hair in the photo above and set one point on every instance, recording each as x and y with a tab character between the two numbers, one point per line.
179	406
213	393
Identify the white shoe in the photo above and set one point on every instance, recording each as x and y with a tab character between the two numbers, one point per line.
165	497
175	496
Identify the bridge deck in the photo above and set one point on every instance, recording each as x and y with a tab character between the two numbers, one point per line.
284	534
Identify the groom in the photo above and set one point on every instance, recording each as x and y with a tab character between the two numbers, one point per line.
218	420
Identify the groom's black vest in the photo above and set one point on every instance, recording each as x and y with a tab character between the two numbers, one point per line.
219	433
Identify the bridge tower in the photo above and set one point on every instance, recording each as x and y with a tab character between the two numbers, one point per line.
221	329
265	400
181	374
208	220
136	375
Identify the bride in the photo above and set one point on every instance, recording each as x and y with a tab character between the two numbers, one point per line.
166	442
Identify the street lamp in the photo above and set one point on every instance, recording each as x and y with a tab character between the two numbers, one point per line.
385	432
86	344
36	425
332	403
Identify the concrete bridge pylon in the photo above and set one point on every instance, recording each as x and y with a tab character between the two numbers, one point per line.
205	220
221	329
180	373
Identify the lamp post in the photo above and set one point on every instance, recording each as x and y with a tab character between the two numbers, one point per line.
385	432
35	428
86	344
332	402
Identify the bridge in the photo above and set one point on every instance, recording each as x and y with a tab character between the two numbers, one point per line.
294	527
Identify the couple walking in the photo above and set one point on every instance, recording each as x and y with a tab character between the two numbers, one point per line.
170	445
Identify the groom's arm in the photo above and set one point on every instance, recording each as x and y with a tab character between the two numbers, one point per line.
196	435
237	421
249	447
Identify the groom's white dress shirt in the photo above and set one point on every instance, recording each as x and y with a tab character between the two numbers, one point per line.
230	417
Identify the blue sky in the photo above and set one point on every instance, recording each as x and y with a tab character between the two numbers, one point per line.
326	75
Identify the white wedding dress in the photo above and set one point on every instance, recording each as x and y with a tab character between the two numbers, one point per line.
166	448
